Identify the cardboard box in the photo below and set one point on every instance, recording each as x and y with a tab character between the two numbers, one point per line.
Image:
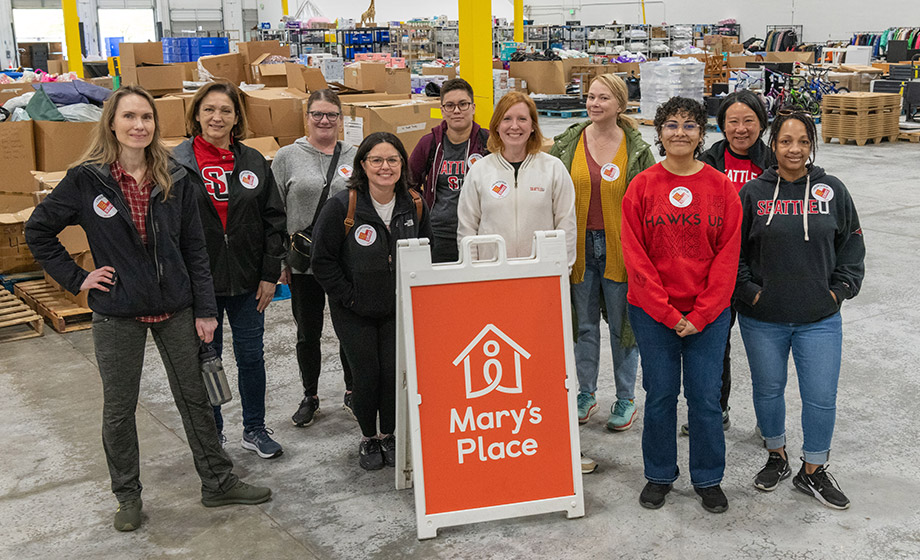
267	146
303	78
17	158
15	202
409	120
737	61
84	260
171	143
46	180
276	112
542	76
286	140
9	91
226	66
251	50
108	82
398	80
366	76
190	69
142	64
630	68
449	71
57	66
59	144
171	111
160	80
268	73
14	253
804	57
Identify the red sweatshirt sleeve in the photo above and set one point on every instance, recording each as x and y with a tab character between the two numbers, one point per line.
723	271
646	290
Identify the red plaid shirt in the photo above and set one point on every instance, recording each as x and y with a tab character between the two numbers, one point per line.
138	199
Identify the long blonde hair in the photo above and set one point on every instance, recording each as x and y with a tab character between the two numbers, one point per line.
620	92
104	148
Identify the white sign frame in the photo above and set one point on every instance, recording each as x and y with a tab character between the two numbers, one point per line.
414	268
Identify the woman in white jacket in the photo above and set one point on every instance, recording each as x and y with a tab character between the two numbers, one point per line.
517	189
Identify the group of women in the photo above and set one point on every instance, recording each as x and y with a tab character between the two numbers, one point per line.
179	241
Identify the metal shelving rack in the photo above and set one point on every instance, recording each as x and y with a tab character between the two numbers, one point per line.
447	41
601	39
414	41
364	39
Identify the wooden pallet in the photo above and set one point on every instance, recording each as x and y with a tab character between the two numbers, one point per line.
17	321
62	314
859	101
632	107
912	137
564	114
859	140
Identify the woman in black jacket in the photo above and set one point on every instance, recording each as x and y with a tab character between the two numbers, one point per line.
356	266
140	217
244	227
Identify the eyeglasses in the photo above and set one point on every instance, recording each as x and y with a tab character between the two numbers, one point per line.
687	126
317	116
377	162
451	107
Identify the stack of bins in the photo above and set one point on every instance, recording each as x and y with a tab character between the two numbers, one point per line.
208	46
111	45
667	78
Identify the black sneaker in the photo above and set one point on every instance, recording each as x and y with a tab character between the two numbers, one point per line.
388	450
260	440
652	496
371	458
306	412
822	486
347	405
772	473
714	500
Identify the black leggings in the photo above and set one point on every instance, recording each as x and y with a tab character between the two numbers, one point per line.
727	364
307	303
370	346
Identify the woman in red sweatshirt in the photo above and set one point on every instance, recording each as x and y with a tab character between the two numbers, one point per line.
681	237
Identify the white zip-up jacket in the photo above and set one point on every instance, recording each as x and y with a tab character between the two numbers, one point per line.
542	198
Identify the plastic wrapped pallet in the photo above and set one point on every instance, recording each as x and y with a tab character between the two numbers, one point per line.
667	78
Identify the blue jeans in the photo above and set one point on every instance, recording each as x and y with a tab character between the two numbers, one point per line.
585	297
247	326
816	348
663	352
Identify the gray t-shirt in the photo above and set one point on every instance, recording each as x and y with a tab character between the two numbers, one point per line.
450	178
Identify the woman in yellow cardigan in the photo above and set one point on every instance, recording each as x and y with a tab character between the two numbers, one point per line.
602	156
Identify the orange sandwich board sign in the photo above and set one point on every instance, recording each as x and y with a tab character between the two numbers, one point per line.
486	384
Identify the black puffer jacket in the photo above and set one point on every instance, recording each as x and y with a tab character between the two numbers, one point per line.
166	275
253	245
761	155
358	270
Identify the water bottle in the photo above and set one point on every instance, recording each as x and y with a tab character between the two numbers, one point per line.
215	380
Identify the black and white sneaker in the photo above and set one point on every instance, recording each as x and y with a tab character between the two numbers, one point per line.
370	456
822	486
348	406
260	441
776	469
306	412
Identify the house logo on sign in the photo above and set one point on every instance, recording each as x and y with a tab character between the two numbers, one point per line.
498	360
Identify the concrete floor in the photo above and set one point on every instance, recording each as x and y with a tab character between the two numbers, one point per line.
54	488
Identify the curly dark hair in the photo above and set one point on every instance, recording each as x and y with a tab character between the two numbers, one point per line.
686	107
358	179
786	115
745	97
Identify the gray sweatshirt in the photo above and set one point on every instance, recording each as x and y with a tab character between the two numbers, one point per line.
300	173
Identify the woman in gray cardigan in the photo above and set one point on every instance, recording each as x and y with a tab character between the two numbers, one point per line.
300	171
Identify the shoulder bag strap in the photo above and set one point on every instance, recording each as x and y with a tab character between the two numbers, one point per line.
417	198
330	173
350	217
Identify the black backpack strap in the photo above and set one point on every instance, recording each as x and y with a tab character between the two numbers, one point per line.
330	173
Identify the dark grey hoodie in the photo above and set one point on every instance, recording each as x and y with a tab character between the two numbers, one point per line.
795	259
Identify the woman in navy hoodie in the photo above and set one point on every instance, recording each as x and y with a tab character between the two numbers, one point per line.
802	254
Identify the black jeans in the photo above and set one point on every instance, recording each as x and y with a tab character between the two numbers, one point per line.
370	346
444	249
307	304
119	343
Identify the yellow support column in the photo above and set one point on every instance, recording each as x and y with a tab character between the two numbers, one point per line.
72	35
284	7
519	21
476	54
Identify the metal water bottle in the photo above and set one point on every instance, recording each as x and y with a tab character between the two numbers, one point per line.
215	380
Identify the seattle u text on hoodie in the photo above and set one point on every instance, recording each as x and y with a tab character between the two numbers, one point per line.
796	258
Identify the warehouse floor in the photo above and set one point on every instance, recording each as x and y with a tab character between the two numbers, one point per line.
54	488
